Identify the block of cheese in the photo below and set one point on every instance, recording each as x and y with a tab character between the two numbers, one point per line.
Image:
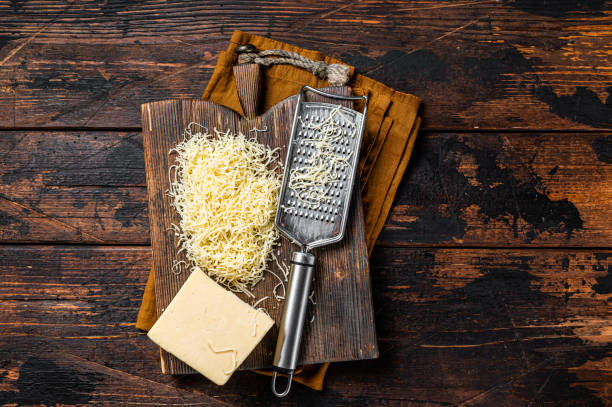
209	328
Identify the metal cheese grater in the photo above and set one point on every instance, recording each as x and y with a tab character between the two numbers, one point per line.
313	224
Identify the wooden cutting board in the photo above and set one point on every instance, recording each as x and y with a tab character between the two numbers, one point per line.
343	325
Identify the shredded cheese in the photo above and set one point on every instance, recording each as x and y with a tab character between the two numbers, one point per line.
314	303
231	370
255	310
225	188
312	183
260	301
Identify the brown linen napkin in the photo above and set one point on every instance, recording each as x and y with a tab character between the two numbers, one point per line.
390	132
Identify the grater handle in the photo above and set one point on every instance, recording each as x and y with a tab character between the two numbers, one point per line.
248	82
292	322
334	96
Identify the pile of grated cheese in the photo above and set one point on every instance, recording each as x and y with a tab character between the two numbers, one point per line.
225	187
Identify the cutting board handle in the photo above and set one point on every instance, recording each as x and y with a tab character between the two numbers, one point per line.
248	83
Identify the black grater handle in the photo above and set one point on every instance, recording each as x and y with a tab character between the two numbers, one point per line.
292	322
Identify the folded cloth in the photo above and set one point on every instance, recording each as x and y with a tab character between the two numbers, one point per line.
390	132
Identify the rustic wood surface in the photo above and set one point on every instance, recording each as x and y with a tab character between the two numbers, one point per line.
461	189
474	326
491	280
477	64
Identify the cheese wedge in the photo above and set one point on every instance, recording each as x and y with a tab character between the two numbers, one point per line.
209	328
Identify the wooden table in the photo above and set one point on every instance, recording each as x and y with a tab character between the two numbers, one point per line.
491	279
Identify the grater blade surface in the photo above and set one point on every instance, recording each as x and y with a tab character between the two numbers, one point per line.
317	222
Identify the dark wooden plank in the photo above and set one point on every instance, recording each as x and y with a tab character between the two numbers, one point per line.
47	376
505	189
344	301
72	187
488	189
476	64
463	318
455	327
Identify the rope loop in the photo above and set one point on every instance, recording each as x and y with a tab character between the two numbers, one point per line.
335	74
319	69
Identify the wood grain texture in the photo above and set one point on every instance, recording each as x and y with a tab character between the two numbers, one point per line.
62	378
506	189
72	187
476	64
248	87
343	325
475	327
474	189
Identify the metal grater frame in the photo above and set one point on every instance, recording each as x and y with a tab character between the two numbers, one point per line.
307	226
311	225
